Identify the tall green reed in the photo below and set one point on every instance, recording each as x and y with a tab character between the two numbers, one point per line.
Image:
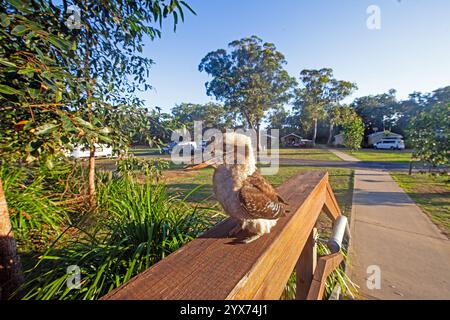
139	224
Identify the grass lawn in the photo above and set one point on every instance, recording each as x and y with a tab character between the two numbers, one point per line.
381	155
183	182
295	153
144	152
431	193
138	150
308	154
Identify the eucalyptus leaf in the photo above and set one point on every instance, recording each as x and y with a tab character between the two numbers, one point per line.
8	90
45	129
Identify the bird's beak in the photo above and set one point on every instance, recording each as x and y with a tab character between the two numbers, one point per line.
205	164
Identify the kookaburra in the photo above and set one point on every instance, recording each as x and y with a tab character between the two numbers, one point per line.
241	190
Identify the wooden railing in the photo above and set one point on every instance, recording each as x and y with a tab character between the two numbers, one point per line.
216	266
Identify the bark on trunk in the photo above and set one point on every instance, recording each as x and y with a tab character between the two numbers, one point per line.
91	175
87	77
314	133
257	140
330	134
10	267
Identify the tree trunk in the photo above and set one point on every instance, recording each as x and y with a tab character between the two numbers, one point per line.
257	140
330	135
10	267
89	81
314	133
91	175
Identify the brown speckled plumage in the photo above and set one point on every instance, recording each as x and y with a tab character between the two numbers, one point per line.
259	198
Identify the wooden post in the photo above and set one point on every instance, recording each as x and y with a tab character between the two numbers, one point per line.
306	265
326	265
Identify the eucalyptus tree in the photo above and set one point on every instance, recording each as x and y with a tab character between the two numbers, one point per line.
249	78
318	93
377	111
213	115
284	120
111	67
69	72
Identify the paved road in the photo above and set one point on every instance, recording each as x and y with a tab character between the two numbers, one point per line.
390	232
348	162
400	166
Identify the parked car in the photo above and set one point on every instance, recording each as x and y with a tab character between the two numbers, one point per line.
390	144
101	150
168	148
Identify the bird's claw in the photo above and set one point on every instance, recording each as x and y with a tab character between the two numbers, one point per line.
252	238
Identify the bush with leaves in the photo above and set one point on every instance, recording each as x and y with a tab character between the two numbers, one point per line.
35	213
429	135
353	133
131	165
139	225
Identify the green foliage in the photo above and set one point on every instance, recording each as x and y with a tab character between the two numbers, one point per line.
430	132
34	197
351	124
150	167
385	112
250	78
61	86
377	111
213	115
33	50
141	224
319	93
353	133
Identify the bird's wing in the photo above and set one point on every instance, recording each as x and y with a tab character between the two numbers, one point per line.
259	199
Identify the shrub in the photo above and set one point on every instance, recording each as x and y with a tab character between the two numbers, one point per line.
36	215
139	225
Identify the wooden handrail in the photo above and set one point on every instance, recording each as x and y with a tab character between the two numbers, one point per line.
215	266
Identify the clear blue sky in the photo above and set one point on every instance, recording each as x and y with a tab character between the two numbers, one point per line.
409	53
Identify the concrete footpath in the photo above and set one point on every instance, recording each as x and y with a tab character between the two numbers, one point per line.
390	232
392	236
344	156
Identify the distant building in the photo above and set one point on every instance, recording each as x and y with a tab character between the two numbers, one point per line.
291	140
338	140
377	136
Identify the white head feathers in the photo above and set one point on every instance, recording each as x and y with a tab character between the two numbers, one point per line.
244	153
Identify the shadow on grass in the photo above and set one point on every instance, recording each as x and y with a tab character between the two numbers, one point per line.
204	191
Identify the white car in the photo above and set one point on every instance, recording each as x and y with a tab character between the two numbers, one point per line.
101	150
390	144
192	144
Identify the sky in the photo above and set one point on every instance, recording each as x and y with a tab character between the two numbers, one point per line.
410	52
